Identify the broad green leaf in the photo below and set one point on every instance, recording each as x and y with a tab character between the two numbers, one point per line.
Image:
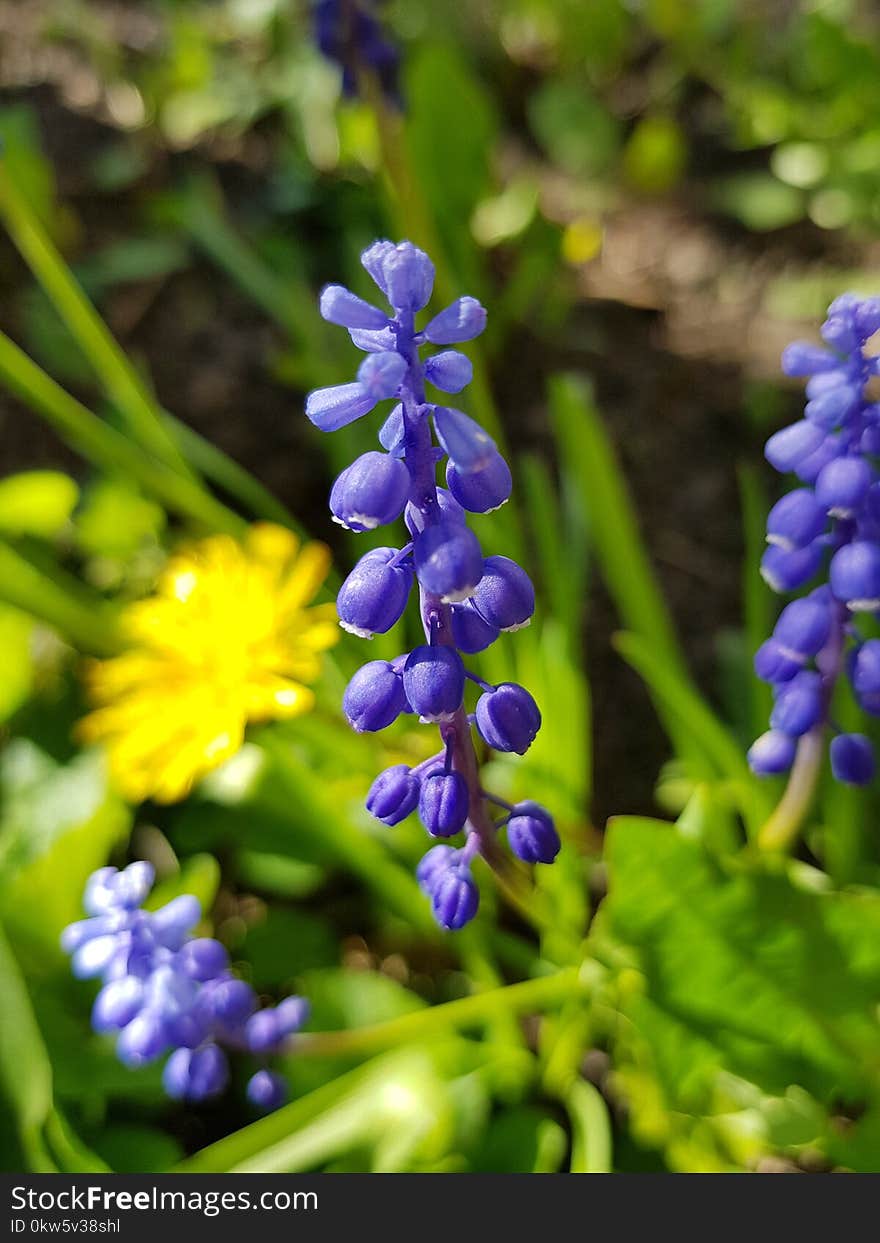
525	1140
343	998
59	822
783	979
36	502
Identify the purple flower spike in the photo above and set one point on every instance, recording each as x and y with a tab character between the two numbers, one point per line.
831	528
465	602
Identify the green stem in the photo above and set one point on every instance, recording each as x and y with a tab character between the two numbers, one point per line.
105	446
89	624
120	379
540	994
780	831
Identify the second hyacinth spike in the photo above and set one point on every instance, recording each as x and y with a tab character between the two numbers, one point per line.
829	526
466	600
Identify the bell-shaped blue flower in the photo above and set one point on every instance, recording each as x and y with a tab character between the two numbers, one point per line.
394	794
454	898
467	444
470	630
266	1090
443	803
786	571
855	576
449	371
462	320
799	704
337	406
852	759
842	486
448	560
374	698
371	492
796	520
340	306
380	375
776	665
532	834
196	1074
433	681
802	358
786	448
433	865
504	595
508	718
404	273
375	594
802	628
203	958
483	490
772	753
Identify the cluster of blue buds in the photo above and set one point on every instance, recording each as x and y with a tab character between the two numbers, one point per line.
350	33
831	525
165	990
466	600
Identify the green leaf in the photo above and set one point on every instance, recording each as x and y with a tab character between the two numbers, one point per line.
520	1141
342	998
782	979
58	823
655	155
114	519
25	1072
16	673
451	124
573	127
36	502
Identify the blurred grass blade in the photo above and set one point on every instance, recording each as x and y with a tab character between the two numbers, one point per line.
588	455
197	208
247	1144
705	742
119	377
62	602
25	1070
107	448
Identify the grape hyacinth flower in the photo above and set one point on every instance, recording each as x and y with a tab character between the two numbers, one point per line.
165	991
350	33
830	524
466	600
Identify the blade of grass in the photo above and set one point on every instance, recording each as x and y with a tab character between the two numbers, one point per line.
107	448
85	620
590	460
123	384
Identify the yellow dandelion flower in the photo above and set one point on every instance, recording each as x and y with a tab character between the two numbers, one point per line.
230	636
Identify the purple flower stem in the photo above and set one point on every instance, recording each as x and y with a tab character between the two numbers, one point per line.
436	615
780	830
